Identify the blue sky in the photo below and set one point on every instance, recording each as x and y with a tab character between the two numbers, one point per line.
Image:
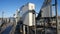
10	6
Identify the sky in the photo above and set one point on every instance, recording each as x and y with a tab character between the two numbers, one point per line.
9	7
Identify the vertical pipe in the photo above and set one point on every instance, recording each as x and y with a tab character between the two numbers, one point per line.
35	24
2	16
56	17
23	29
35	29
27	29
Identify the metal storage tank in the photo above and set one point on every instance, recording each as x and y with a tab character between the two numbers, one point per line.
28	16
